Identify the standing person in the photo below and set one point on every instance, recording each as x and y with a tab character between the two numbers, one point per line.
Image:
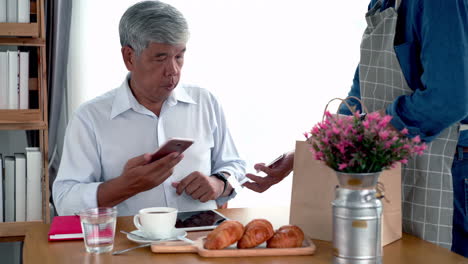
414	67
103	162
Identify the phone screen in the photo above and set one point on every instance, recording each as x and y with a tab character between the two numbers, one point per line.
205	219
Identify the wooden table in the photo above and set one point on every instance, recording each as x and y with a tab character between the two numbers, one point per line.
38	250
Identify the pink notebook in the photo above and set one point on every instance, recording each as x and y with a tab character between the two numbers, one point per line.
66	227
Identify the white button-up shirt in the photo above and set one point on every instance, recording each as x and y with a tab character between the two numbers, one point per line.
107	131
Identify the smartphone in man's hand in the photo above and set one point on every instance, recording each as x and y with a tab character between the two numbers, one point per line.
172	145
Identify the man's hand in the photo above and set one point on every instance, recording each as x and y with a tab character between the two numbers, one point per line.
143	176
275	173
138	176
200	187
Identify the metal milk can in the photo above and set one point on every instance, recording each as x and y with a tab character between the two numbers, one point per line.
357	220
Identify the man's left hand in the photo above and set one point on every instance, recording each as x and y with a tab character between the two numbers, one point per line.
200	187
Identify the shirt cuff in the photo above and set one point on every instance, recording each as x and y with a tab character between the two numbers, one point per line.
222	200
82	196
233	180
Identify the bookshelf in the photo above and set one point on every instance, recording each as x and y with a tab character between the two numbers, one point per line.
30	35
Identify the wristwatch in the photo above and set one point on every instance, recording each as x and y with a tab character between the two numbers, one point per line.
221	176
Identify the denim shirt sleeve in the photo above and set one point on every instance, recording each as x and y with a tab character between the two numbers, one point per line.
356	92
441	28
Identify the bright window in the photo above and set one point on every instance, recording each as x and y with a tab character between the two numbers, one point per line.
272	64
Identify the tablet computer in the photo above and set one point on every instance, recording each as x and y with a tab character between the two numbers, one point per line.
199	220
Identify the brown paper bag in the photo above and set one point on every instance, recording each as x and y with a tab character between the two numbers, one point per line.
314	189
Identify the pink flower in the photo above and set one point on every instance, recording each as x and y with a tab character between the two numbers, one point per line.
323	126
336	131
404	161
404	131
357	114
420	149
319	155
342	166
361	146
373	116
388	144
366	123
341	147
384	134
315	131
384	121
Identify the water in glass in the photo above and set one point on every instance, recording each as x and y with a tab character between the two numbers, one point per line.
98	229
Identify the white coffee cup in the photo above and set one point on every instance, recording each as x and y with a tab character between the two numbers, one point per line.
156	222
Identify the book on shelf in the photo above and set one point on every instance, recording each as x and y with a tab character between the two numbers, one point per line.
1	189
20	187
9	189
23	80
67	227
23	11
3	11
13	81
33	184
12	11
4	80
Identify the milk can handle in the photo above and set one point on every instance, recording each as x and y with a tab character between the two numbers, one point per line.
380	194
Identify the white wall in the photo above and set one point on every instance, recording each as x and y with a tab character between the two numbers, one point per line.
272	64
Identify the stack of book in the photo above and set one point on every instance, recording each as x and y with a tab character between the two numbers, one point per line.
14	88
20	185
14	11
14	64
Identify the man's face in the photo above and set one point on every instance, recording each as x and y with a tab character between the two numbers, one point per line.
156	72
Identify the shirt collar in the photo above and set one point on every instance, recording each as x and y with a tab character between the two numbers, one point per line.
181	95
124	99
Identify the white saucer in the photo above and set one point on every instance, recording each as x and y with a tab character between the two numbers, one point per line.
176	232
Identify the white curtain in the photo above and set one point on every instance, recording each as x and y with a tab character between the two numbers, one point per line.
272	64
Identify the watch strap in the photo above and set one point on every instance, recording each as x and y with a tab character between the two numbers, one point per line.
221	177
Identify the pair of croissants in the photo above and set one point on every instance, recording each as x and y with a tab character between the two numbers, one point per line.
255	233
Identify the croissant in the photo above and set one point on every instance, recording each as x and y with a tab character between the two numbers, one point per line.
224	235
256	232
287	236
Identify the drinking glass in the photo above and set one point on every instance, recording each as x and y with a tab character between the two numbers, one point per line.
98	226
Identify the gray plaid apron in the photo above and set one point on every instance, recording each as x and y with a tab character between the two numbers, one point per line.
427	195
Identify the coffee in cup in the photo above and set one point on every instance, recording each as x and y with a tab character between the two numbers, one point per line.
156	222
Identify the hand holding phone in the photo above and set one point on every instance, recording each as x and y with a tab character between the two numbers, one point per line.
274	162
172	145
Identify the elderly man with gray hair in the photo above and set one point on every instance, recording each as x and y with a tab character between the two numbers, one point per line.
105	160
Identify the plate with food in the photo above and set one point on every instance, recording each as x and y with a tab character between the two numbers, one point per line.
232	239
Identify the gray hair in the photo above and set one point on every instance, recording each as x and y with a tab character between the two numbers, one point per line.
152	21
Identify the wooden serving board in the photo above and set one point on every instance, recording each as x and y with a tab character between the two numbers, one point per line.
308	248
